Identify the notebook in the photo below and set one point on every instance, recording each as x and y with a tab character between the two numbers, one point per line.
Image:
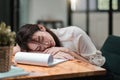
13	72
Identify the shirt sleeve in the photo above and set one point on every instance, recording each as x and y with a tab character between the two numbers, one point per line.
85	47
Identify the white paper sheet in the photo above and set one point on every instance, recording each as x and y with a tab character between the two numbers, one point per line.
36	59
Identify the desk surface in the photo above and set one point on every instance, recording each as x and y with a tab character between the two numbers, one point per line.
63	70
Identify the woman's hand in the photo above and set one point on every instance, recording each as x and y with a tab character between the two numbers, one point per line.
55	50
63	55
62	52
59	52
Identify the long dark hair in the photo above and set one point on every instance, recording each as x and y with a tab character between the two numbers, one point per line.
26	32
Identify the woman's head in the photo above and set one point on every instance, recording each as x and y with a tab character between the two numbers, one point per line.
33	37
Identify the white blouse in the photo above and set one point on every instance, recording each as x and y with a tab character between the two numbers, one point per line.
78	41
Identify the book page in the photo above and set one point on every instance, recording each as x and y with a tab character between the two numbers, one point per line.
32	58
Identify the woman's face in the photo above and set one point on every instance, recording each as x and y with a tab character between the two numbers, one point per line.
41	40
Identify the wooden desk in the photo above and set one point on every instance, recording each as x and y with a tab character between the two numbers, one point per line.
68	69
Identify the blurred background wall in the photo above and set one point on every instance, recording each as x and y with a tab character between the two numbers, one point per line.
93	16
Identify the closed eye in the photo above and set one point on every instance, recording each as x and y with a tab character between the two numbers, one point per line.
38	48
39	39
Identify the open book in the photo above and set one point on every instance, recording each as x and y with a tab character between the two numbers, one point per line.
36	59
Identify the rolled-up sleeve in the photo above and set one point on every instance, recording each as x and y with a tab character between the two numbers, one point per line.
96	59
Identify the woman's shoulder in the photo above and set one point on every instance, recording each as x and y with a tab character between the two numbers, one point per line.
73	29
68	28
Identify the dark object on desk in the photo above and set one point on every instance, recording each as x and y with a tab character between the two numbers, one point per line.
111	51
89	78
51	23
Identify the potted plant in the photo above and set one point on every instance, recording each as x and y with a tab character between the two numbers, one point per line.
7	40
